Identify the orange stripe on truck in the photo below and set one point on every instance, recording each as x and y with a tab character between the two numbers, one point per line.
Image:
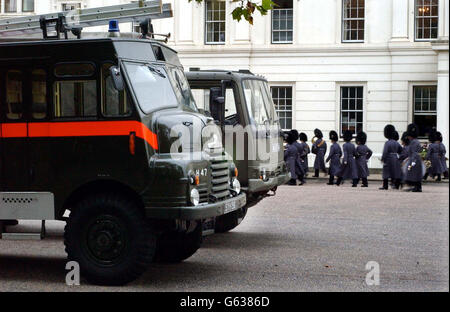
80	129
14	130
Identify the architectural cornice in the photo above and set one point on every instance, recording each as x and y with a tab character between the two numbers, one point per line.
408	47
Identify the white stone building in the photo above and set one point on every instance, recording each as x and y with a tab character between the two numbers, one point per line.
332	64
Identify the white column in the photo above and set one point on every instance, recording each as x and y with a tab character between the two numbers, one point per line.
399	20
442	107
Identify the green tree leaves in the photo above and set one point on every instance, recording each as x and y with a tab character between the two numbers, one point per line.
246	9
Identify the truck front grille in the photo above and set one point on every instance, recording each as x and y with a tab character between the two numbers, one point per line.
220	189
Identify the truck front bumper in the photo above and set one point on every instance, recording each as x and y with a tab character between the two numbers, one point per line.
258	185
202	211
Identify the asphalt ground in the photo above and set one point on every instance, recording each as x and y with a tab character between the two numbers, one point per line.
313	237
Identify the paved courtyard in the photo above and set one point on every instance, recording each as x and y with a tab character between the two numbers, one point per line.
307	238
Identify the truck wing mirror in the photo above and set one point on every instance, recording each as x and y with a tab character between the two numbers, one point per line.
217	104
117	78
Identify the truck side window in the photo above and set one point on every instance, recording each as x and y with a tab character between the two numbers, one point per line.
114	103
39	93
14	94
76	98
230	104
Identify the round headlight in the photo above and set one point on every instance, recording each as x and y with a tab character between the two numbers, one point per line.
195	197
236	186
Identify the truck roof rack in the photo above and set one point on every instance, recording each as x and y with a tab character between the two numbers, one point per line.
75	20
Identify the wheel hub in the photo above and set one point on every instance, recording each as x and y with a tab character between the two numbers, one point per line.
105	239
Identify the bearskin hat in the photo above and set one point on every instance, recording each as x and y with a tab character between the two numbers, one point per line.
361	137
405	138
318	133
294	134
413	130
333	136
438	136
303	137
395	136
348	135
389	131
290	137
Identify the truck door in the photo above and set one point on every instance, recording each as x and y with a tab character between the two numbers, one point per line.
14	129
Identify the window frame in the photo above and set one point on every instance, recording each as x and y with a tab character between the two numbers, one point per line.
70	3
416	17
75	80
102	98
284	85
339	88
215	21
48	95
23	92
6	12
29	11
343	20
291	30
412	101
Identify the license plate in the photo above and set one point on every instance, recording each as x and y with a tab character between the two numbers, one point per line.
230	207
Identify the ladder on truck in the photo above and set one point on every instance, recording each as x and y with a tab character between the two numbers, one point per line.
74	21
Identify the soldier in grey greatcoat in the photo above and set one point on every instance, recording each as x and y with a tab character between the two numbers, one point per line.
319	148
290	157
306	150
442	153
298	166
334	157
348	167
390	156
363	154
415	170
433	156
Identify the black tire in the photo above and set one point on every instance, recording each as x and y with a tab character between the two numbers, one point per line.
108	236
229	221
174	247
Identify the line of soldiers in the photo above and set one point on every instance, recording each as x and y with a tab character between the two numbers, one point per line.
354	159
405	162
402	163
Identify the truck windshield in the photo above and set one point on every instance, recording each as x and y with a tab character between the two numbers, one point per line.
181	87
151	86
259	102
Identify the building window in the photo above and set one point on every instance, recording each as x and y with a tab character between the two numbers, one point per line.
215	22
352	109
427	19
425	108
282	22
70	6
353	20
27	5
282	98
10	6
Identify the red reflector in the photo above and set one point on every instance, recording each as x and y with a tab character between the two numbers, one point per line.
132	144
